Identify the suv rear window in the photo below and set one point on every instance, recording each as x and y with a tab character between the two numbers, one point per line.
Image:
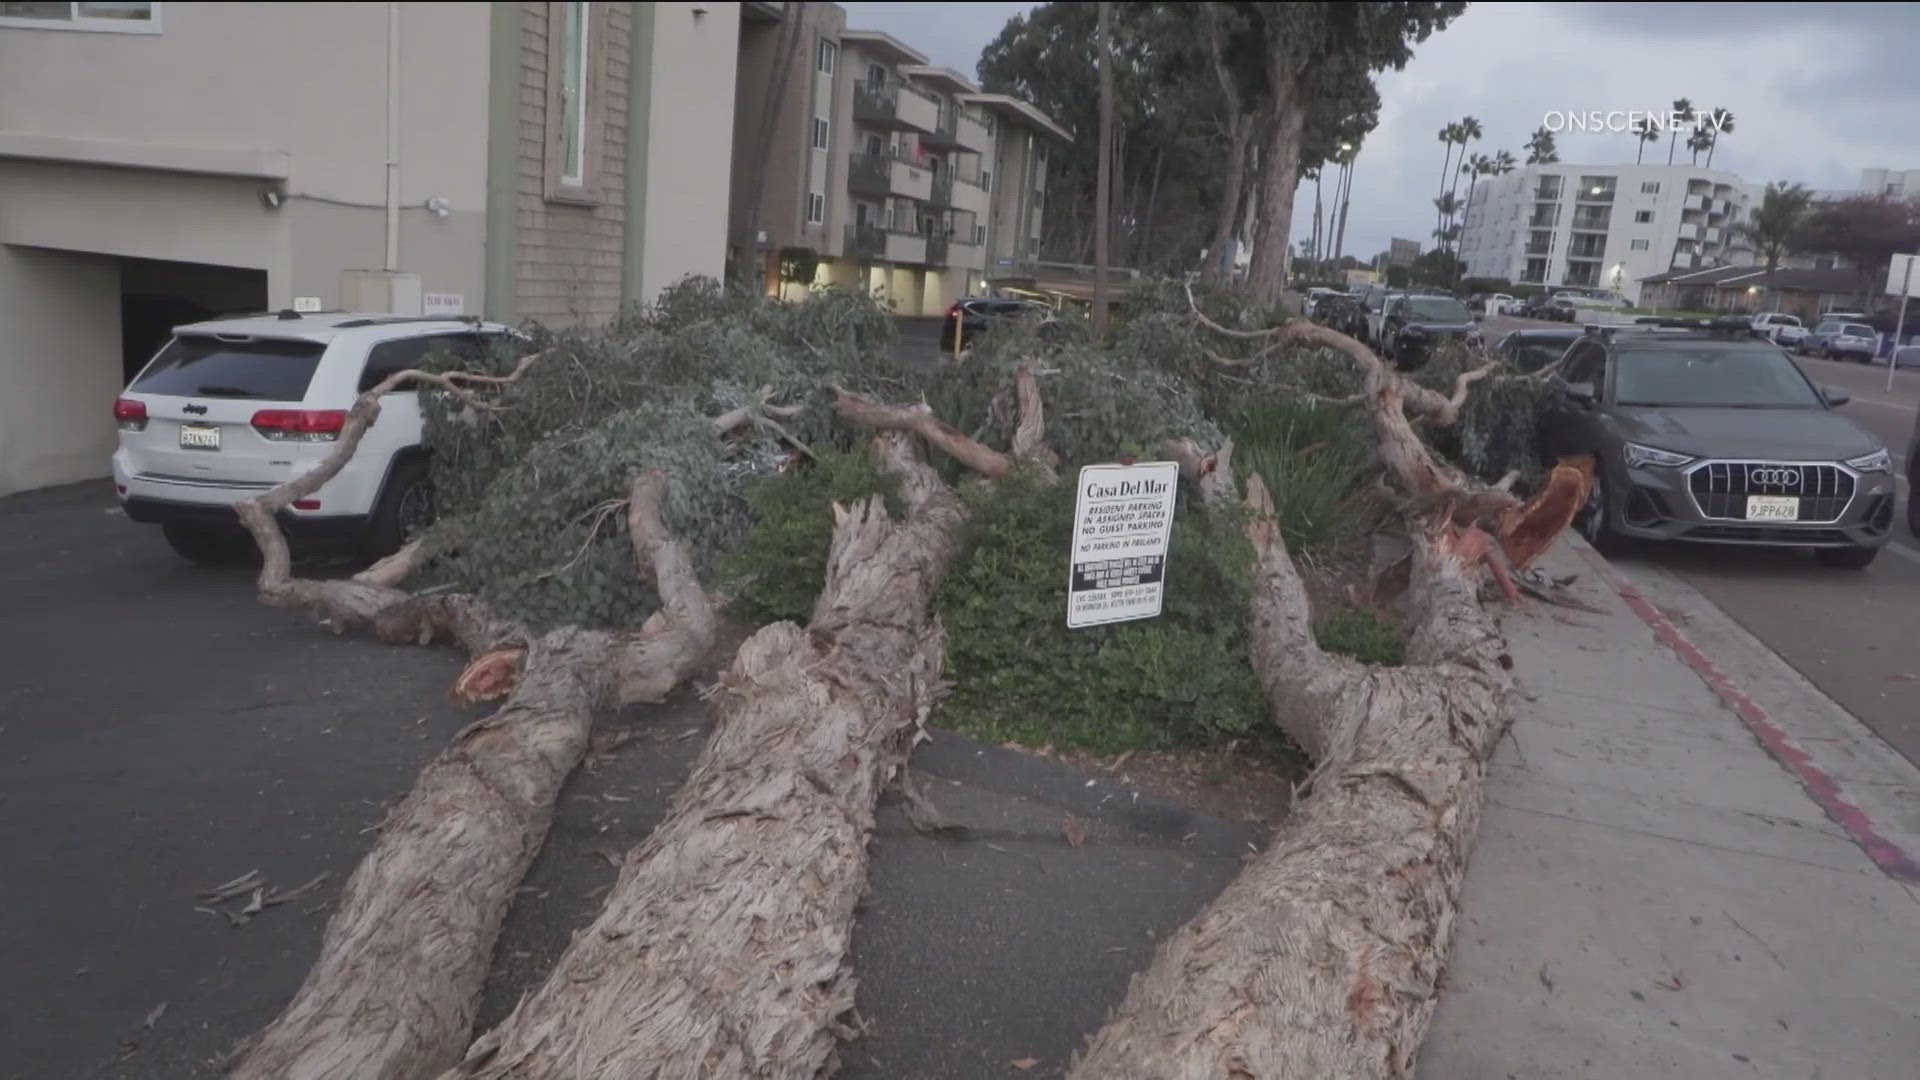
267	369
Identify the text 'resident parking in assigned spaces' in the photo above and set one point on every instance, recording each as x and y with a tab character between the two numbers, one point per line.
1122	520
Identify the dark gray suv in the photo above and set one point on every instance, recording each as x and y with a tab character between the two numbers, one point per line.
1711	435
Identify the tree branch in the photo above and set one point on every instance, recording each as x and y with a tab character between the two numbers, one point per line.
919	420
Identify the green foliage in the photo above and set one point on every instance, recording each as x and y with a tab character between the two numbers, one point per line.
1019	673
524	488
1399	277
799	265
1363	635
1498	430
1318	465
777	573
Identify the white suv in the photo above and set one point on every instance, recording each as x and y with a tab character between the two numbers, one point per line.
232	407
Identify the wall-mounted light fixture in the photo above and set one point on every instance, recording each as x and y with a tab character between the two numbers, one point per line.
439	206
272	197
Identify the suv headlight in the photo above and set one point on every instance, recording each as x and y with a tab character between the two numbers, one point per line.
1638	455
1878	461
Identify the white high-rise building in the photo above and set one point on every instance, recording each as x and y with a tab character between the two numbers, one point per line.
1603	226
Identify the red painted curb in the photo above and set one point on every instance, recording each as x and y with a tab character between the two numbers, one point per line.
1886	854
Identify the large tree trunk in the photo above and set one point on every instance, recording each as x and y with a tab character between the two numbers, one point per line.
1233	181
405	956
1280	173
723	950
1323	958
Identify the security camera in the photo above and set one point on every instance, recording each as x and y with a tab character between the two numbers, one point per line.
271	198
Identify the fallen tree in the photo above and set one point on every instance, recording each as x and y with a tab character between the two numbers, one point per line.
1323	957
405	955
723	949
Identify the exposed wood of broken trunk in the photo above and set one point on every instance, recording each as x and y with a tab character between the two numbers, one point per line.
1323	957
723	950
405	955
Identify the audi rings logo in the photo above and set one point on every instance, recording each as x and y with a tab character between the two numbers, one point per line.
1774	477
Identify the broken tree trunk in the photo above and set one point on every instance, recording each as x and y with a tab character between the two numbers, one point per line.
405	956
723	950
1323	958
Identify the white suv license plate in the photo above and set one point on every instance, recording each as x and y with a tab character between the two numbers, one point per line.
199	436
1773	508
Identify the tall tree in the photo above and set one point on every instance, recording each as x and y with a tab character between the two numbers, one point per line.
1698	142
1103	199
1447	204
1683	111
1239	131
1318	51
752	268
1469	130
1866	230
1503	164
1540	148
1475	167
1722	125
1449	136
1644	132
1773	229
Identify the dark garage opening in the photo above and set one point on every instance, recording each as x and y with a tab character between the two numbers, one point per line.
157	295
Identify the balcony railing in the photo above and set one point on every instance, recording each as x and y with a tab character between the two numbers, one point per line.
1547	193
890	104
870	173
1590	195
1539	249
868	240
942	194
1544	218
1593	222
937	250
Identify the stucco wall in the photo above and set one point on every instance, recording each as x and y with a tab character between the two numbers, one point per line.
690	143
59	366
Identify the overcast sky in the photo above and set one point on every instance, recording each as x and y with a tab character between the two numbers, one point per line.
1819	91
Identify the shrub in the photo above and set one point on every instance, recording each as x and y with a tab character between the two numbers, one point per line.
1318	464
1362	635
777	573
1019	673
1498	430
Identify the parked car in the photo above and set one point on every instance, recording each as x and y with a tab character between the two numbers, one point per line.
974	315
1598	301
1778	327
1412	326
1560	309
1705	434
229	408
1833	340
1320	300
1913	453
1366	320
1499	303
1531	350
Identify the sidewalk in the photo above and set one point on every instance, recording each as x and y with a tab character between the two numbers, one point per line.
1654	893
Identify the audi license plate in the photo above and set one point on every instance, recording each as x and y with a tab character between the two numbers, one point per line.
1773	508
207	437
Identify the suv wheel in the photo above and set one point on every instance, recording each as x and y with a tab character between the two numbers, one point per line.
1594	522
209	545
1850	558
405	509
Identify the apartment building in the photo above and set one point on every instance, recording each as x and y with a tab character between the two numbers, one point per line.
1891	183
1603	226
885	172
166	162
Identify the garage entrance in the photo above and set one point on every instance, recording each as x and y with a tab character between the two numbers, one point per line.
158	295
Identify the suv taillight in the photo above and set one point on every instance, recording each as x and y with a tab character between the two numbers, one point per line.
300	425
130	415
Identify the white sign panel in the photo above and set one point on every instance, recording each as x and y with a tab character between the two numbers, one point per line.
443	304
1903	276
1122	518
306	303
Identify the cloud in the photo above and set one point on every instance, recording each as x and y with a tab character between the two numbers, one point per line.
952	35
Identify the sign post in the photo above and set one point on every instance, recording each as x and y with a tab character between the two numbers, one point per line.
1122	521
1901	267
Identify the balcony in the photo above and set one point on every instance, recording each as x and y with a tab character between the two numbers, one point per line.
1600	222
969	196
936	251
895	106
940	192
1545	217
874	242
1546	192
974	136
1595	193
881	176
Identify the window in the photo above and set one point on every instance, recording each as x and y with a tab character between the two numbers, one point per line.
979	234
389	357
1638	245
821	130
875	146
573	96
823	62
1650	187
816	208
122	18
264	369
986	180
1641	217
876	75
1757	377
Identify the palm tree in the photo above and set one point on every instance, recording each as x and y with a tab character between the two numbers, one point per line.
1449	136
1448	205
1684	110
1503	164
1773	228
1698	142
1646	133
1722	124
1469	129
1475	167
1540	148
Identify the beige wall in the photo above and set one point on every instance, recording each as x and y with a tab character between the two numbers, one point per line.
59	366
689	144
783	200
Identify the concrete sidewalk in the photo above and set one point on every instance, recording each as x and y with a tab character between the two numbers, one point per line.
1673	877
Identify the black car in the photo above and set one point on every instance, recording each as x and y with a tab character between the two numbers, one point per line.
973	315
1703	433
1531	350
1415	325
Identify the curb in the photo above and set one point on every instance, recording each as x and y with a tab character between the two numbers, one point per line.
1887	855
995	768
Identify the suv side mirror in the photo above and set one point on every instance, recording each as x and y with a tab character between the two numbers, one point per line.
1579	391
1835	395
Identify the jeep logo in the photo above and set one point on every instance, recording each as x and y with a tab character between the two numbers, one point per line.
197	410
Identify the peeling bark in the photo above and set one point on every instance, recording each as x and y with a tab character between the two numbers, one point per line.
405	956
723	949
